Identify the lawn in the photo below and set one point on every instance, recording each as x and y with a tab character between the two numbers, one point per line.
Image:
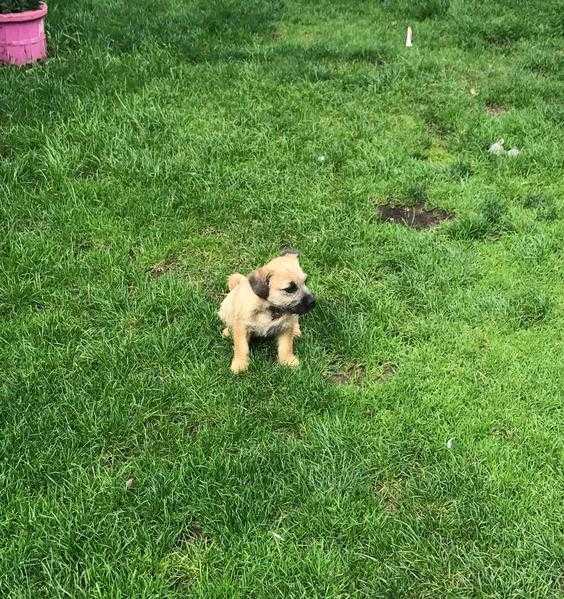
417	451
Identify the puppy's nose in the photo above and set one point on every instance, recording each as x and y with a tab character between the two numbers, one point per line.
310	301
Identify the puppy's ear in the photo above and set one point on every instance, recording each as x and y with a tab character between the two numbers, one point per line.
288	251
259	281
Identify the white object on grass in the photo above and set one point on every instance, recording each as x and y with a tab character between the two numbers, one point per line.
450	443
408	37
513	152
497	148
321	158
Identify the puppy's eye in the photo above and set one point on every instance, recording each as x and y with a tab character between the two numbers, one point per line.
292	288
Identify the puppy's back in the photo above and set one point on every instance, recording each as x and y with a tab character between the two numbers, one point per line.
240	302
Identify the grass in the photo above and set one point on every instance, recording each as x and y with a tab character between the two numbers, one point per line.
165	145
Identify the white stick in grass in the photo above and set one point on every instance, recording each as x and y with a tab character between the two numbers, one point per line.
408	37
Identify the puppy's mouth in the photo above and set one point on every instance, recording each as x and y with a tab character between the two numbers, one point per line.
304	306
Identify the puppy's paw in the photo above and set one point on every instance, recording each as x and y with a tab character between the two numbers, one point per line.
291	361
226	332
297	332
238	366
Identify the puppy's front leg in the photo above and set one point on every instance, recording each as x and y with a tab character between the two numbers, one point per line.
240	361
286	349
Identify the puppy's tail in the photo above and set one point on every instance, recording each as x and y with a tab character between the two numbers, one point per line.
234	280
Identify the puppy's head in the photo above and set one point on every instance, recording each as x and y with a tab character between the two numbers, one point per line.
281	283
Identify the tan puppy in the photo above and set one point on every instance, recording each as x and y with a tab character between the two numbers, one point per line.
266	303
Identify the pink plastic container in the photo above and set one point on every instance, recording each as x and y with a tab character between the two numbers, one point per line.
22	36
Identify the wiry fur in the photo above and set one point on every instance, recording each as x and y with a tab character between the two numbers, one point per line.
260	305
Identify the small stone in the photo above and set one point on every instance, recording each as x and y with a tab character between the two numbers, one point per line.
497	148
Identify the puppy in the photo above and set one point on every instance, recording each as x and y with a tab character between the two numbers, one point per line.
266	303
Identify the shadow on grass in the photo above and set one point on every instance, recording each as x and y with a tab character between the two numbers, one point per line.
124	27
118	48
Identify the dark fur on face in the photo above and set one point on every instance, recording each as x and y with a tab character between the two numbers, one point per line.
283	288
260	284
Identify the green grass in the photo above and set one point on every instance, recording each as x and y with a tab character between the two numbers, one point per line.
189	135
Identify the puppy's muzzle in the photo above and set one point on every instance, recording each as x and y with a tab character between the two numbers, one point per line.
306	304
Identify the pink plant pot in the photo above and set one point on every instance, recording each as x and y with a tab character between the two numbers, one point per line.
22	36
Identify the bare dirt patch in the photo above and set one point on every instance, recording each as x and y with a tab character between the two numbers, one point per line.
495	110
349	374
388	369
415	217
503	432
162	267
354	373
390	493
191	533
